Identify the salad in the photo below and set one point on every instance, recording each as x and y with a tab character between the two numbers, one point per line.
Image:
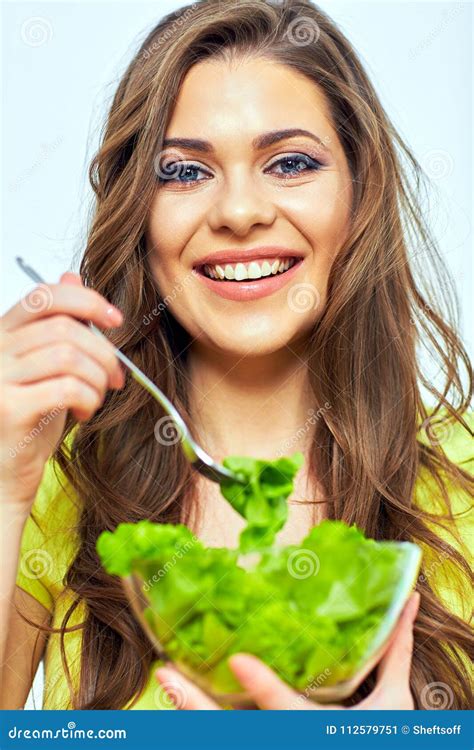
309	611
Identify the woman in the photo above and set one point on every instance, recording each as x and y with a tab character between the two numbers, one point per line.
208	174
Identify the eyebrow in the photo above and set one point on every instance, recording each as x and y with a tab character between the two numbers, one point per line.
258	143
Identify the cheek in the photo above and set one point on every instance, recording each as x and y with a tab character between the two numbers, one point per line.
172	222
169	228
322	213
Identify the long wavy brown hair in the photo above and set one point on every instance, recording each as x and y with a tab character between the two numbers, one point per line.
367	449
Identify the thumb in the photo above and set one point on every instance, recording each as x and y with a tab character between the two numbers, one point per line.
393	674
70	278
396	661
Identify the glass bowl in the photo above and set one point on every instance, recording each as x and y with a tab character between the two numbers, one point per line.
410	560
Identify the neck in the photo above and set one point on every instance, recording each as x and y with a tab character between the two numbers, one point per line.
250	406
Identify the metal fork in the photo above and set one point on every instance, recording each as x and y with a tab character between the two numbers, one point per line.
197	456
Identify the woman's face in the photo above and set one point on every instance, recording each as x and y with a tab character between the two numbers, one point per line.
253	203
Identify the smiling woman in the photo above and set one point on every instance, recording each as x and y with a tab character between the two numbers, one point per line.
252	192
289	187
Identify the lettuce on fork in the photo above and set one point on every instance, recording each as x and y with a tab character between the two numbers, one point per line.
262	500
308	610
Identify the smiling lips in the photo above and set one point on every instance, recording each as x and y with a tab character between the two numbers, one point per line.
256	269
243	281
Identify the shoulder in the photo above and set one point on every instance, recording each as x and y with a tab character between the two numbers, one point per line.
49	540
457	442
56	507
455	438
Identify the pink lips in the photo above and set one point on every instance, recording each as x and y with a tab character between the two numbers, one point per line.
245	255
250	290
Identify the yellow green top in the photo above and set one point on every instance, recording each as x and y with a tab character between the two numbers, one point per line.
48	548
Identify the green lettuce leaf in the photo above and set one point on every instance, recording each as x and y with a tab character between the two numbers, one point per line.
262	501
309	611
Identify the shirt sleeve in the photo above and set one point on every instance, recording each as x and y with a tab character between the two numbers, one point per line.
451	585
49	538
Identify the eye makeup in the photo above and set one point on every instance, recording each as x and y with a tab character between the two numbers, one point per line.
181	172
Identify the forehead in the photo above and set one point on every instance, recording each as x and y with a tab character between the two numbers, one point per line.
247	96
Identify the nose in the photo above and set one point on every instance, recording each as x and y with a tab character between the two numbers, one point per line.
241	205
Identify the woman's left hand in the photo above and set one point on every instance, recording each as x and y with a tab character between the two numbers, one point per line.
392	690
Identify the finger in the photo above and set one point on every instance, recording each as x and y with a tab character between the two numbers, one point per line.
63	329
70	278
263	685
185	695
392	690
61	359
63	392
75	300
396	662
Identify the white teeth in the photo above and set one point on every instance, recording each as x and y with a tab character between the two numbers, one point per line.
240	272
254	271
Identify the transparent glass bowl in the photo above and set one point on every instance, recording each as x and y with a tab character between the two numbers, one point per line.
409	564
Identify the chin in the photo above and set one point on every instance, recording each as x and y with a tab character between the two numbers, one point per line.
240	342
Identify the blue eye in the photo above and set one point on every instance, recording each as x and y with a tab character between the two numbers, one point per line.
297	164
186	172
181	172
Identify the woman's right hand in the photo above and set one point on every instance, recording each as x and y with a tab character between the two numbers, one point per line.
51	362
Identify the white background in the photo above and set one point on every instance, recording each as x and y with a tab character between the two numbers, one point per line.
57	92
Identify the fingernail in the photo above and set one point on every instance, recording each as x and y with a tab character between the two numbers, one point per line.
241	662
164	674
118	379
114	315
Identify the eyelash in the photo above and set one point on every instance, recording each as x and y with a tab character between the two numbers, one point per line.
312	165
